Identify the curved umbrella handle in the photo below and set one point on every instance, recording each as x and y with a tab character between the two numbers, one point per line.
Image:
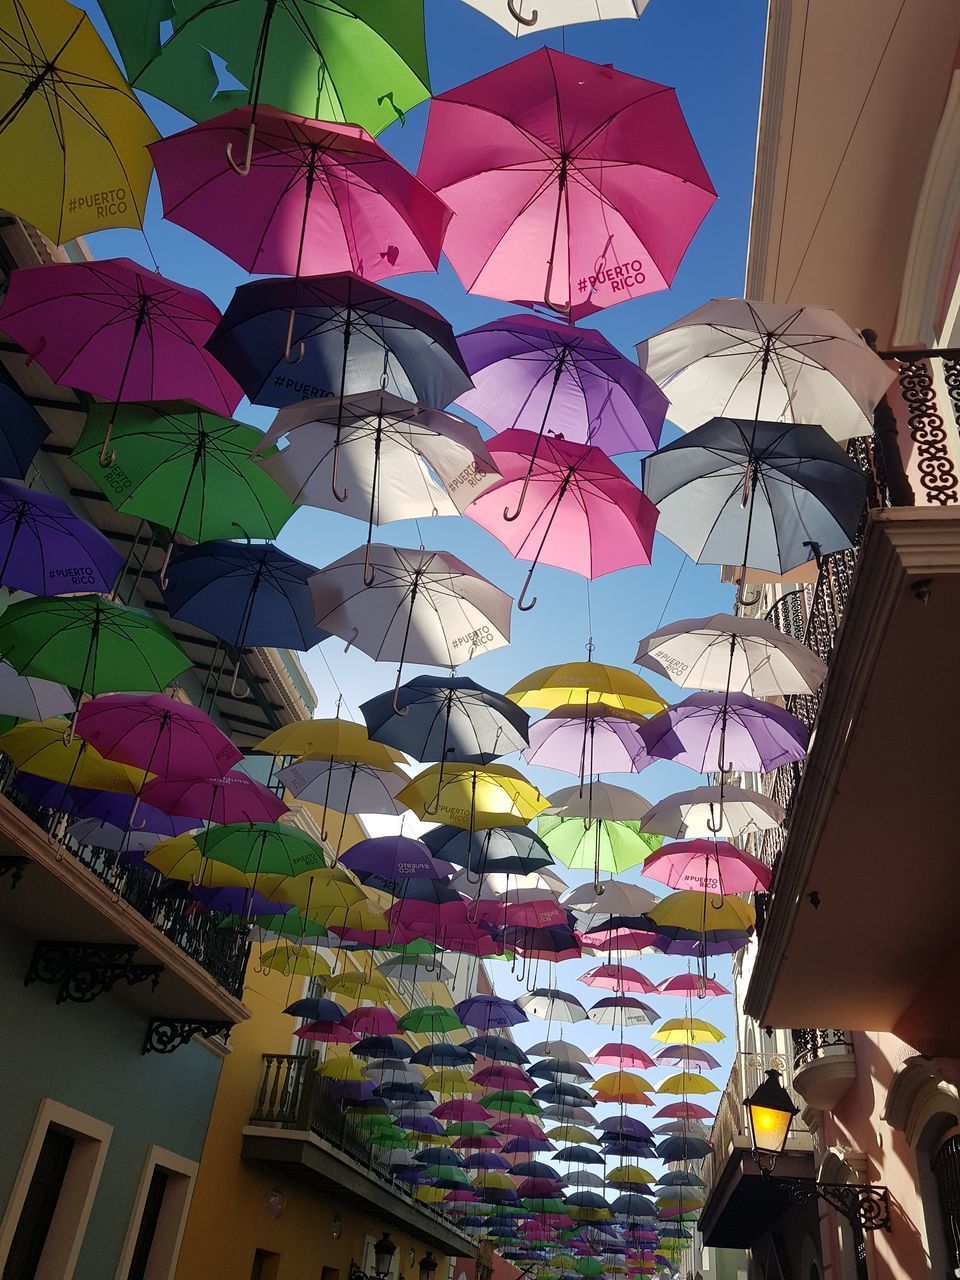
352	641
369	570
290	354
516	14
162	576
400	711
716	827
340	497
243	169
107	456
525	608
743	601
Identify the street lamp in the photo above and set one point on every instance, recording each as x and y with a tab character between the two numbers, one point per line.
770	1111
428	1266
383	1252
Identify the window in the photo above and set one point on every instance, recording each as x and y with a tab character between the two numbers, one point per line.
44	1221
159	1215
946	1172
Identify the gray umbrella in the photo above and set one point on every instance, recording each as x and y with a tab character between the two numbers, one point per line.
762	494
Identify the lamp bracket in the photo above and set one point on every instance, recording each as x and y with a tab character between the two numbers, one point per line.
867	1206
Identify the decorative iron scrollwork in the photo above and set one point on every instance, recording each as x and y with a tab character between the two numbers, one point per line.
865	1206
81	971
14	866
938	475
166	1035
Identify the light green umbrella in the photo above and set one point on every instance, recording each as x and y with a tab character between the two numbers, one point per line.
354	61
429	1017
589	844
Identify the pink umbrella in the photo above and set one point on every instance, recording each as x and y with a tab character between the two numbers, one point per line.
712	866
625	941
371	1020
157	734
326	1033
515	1126
460	1109
688	984
502	1076
619	977
118	331
616	1054
564	504
319	198
683	1111
572	184
232	798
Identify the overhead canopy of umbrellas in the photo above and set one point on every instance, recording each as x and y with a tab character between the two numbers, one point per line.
551	182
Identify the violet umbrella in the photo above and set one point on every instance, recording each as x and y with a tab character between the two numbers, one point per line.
566	505
392	857
119	331
529	370
572	184
47	549
587	739
106	807
484	1012
710	731
690	1054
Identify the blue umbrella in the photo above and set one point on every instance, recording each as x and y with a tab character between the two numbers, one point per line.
316	1009
391	1047
579	1155
497	1048
443	1055
243	593
629	1147
634	1205
683	1148
509	850
439	1155
22	430
447	718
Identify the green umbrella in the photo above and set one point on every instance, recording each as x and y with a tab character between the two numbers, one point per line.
449	1173
468	1129
544	1204
261	848
184	468
354	61
576	841
512	1102
429	1017
290	925
91	644
589	1266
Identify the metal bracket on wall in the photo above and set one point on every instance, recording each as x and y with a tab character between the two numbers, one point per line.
166	1035
864	1206
81	971
13	865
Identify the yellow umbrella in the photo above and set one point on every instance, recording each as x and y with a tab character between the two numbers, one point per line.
493	1179
687	1082
180	858
630	1175
73	146
573	1133
702	912
290	960
473	797
688	1031
314	890
449	1082
361	916
622	1086
37	747
329	740
430	1195
564	1261
361	986
586	683
342	1069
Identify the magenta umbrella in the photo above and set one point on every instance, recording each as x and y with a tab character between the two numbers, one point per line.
230	799
158	734
714	731
572	184
587	740
118	331
564	504
712	866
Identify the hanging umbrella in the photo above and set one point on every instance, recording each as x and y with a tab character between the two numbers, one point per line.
114	329
706	812
558	1068
579	683
621	1054
552	1005
293	961
564	504
30	698
38	748
619	898
709	866
330	61
764	495
398	460
622	1011
769	360
521	17
497	1048
317	197
684	1111
336	335
688	1031
485	1012
588	739
685	984
572	184
392	857
158	734
45	547
345	787
735	654
710	731
496	850
700	913
22	430
423	606
630	1175
233	798
183	468
576	384
90	644
330	739
687	1082
74	137
598	844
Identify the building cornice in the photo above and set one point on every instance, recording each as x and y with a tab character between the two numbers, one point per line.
780	14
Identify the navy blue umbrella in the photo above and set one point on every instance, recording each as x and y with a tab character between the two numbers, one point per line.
390	1047
579	1155
443	1055
564	1093
630	1147
497	1048
22	430
509	850
316	1009
683	1148
633	1205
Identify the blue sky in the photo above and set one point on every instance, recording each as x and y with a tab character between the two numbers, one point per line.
712	54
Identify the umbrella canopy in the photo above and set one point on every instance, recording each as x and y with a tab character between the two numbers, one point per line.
699	912
564	504
345	787
768	360
710	731
22	430
355	337
473	796
552	1005
618	977
528	369
317	197
623	1011
732	653
45	547
161	735
485	1012
233	798
618	1053
708	866
685	984
496	850
688	1031
537	156
392	857
596	844
588	740
765	495
30	698
330	739
520	17
714	812
73	146
91	644
581	684
331	62
39	748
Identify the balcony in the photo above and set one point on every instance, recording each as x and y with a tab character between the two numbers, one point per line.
299	1125
824	1067
740	1204
859	928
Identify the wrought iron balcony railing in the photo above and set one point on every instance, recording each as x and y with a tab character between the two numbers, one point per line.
811	1044
217	944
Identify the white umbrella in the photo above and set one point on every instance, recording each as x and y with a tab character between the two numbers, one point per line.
520	17
714	812
345	787
502	885
416	969
599	800
725	652
773	361
30	698
584	1178
552	1005
104	835
618	898
622	1011
411	606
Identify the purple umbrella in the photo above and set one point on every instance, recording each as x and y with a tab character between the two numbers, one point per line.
687	1053
46	549
526	1146
233	902
104	806
587	740
158	734
532	372
683	942
392	858
715	731
486	1160
420	1124
485	1012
